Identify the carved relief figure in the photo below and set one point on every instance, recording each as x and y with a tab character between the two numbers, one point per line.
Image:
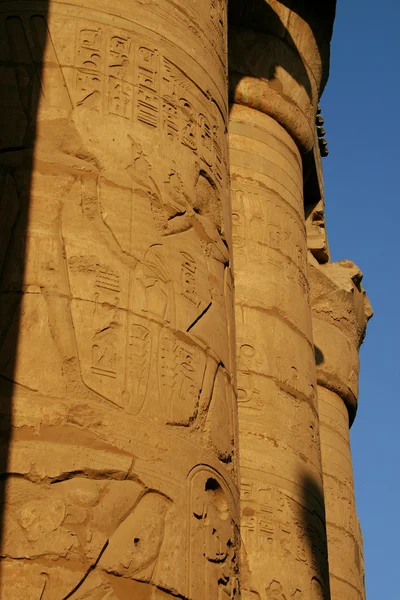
213	538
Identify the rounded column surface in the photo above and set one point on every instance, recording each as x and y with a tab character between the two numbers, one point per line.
340	313
282	508
116	316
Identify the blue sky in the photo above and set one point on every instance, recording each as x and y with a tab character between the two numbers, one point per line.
361	110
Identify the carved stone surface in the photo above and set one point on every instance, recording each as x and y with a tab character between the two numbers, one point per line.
123	359
340	314
116	299
282	509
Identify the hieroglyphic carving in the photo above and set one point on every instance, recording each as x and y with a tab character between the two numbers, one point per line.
90	65
182	371
272	522
148	86
275	592
120	88
188	278
212	538
257	360
127	77
170	95
191	119
248	363
206	142
140	353
261	524
156	280
218	16
189	125
340	503
104	59
266	230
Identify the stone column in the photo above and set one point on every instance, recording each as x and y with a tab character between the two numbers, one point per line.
276	69
340	313
116	312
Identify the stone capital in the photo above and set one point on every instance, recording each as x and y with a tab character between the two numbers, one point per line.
340	312
279	61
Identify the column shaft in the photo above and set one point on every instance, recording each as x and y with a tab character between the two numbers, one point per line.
116	312
340	311
282	508
346	569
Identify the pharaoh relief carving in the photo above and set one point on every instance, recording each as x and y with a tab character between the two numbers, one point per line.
154	310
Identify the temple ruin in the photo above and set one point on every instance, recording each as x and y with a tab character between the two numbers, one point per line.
178	353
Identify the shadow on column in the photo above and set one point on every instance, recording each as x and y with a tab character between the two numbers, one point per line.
258	15
23	35
313	523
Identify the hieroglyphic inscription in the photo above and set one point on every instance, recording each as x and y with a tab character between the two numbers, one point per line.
191	118
148	86
206	142
218	18
188	278
140	353
170	97
272	521
104	354
250	388
182	368
265	375
265	230
90	65
104	71
340	503
275	591
105	339
218	15
189	125
120	86
107	279
124	76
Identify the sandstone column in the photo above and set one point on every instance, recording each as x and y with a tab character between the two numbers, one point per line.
276	66
340	313
116	317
